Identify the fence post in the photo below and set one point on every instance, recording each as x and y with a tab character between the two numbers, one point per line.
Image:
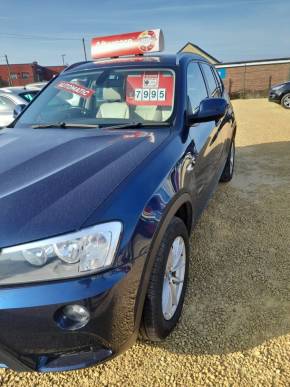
230	87
244	83
270	82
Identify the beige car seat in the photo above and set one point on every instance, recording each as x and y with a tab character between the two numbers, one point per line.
166	112
113	108
153	113
149	113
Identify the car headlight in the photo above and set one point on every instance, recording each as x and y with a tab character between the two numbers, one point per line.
277	87
72	255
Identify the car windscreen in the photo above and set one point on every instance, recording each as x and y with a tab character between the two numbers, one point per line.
105	97
28	95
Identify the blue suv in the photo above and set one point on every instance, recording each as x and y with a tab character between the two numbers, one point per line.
102	179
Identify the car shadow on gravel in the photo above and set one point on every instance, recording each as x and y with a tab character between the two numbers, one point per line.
239	289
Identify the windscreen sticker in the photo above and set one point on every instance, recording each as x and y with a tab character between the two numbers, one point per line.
75	88
150	89
151	80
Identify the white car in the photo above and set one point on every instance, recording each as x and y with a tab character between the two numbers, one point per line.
36	85
10	97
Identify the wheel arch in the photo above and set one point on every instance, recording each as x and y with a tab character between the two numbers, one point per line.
185	213
181	207
283	95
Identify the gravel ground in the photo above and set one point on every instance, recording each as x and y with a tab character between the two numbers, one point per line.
235	329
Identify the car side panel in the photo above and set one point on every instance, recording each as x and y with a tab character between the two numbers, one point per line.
229	128
6	117
207	141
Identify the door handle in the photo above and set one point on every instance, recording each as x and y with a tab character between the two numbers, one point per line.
190	167
191	163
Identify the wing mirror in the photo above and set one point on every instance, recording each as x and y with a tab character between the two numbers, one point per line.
18	109
210	109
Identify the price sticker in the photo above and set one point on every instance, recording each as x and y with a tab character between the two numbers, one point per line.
150	95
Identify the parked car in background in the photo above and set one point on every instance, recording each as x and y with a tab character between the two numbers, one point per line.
36	85
10	97
281	94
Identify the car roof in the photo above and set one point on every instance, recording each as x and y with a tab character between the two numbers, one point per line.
173	60
36	84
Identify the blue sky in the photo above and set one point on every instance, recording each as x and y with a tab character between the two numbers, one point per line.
228	29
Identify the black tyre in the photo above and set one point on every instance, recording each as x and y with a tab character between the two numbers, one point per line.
167	286
285	101
228	171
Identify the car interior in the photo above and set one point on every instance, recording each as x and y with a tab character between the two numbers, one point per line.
109	102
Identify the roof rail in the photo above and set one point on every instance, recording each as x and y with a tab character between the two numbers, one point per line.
183	54
75	65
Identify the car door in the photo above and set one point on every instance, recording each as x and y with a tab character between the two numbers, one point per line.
6	111
203	135
227	128
214	91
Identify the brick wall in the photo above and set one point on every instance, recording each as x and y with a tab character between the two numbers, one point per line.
255	81
22	74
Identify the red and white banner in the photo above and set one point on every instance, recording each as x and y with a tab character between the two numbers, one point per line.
133	43
74	88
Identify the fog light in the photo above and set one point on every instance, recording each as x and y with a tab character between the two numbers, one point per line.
73	317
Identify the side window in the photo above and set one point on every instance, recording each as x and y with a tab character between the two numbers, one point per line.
214	90
219	81
6	105
196	89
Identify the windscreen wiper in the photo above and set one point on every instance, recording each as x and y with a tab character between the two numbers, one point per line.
134	125
123	126
64	125
129	125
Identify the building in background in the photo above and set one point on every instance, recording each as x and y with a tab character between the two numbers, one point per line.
242	79
194	49
247	78
22	74
253	78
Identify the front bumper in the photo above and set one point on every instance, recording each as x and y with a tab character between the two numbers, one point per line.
275	96
31	339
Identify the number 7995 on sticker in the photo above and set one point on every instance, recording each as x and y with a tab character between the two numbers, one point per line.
150	95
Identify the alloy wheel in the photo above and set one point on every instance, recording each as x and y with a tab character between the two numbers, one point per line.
173	278
286	101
